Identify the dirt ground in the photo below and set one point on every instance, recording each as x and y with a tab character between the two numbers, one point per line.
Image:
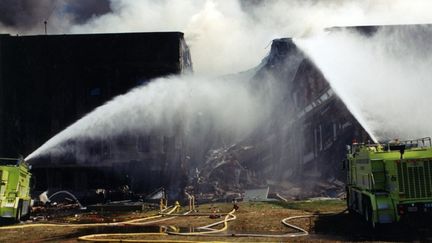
328	225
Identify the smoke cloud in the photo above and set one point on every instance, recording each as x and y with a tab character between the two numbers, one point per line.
28	16
384	77
230	36
225	36
24	14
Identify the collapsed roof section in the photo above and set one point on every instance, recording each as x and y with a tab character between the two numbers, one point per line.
301	145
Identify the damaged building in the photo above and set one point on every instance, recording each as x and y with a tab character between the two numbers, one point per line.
47	82
299	152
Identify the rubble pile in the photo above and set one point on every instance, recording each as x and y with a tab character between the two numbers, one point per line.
225	174
42	212
329	188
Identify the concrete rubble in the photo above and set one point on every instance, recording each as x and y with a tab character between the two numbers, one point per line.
225	176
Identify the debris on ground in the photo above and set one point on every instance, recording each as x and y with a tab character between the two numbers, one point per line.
226	175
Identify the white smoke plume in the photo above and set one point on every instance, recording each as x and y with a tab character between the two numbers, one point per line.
385	77
225	36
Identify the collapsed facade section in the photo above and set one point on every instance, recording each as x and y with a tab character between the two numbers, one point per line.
299	151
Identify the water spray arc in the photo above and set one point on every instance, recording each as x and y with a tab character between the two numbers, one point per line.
201	106
383	77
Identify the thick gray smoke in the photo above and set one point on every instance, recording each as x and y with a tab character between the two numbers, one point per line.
27	16
190	106
81	11
384	77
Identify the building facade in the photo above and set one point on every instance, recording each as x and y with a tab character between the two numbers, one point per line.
47	82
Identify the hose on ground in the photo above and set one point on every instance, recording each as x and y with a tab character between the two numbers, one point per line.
128	222
302	232
210	232
94	238
102	237
229	217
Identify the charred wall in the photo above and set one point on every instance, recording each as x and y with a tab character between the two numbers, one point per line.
51	80
47	82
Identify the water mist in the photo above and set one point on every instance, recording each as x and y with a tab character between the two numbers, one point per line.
197	106
384	77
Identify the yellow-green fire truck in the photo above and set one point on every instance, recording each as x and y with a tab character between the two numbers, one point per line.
14	189
388	182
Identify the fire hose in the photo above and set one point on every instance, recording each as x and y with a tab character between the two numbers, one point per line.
94	238
230	216
128	222
209	232
302	232
209	228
